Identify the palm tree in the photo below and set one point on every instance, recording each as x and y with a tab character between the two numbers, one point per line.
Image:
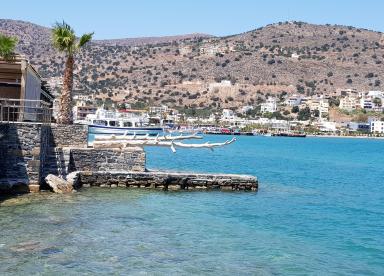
7	46
64	40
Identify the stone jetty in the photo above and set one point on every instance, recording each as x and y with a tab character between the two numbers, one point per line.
165	180
38	156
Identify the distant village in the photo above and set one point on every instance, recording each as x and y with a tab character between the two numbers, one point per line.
282	113
298	112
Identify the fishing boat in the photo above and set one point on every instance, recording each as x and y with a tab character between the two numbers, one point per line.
109	122
288	134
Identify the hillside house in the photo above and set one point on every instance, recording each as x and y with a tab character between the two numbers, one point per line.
376	94
377	126
349	103
343	92
246	108
320	104
294	100
367	103
158	109
81	110
227	115
269	106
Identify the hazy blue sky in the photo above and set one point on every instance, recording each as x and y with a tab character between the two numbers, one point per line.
119	18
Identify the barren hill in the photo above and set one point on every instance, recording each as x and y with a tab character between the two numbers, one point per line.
186	70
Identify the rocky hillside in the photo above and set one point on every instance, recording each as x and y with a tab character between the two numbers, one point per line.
278	59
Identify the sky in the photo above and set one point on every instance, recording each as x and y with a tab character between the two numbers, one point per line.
140	18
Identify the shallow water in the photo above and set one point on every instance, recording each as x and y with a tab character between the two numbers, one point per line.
319	210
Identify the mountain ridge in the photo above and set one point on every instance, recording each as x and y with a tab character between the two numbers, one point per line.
277	59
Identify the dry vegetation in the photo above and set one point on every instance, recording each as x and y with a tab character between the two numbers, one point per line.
177	71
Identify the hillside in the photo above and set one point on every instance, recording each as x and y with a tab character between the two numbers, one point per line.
185	70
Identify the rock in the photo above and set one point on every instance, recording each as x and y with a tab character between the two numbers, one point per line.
174	187
59	185
34	188
26	246
72	178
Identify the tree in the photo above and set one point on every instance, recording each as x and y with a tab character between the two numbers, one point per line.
64	40
304	114
333	101
7	46
377	101
295	109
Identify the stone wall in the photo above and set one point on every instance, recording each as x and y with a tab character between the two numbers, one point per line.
27	151
3	149
69	136
167	180
23	149
126	159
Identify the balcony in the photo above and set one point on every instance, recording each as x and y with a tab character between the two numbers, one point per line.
17	110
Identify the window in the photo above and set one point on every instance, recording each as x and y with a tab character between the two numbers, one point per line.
112	123
100	122
127	124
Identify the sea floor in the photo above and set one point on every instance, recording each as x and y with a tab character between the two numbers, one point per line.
319	210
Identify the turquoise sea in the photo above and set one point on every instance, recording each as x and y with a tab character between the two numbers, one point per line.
319	211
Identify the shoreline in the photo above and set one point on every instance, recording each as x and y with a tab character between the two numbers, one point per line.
346	136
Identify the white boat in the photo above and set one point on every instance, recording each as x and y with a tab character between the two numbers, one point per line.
108	122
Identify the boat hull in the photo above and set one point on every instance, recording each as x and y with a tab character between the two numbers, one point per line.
289	135
95	129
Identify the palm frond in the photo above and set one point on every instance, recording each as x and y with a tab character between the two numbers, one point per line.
63	37
84	39
7	46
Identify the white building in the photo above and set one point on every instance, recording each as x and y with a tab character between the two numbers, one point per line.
81	110
227	115
377	126
294	100
223	83
366	103
328	126
274	124
158	109
246	108
376	94
212	50
269	106
320	104
348	103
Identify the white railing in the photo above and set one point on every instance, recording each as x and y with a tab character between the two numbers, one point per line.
18	110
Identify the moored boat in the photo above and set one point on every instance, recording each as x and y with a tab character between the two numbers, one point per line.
286	134
107	122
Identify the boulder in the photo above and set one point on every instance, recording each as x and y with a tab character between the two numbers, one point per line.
59	185
73	178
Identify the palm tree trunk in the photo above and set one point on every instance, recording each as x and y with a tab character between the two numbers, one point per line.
65	113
